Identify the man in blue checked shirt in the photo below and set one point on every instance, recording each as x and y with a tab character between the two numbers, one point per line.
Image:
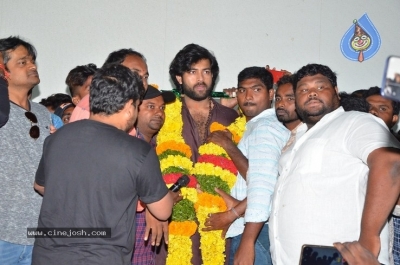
256	158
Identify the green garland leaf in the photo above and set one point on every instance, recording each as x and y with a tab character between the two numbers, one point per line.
170	152
209	182
183	211
175	170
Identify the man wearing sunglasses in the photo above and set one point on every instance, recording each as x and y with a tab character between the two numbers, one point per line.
21	146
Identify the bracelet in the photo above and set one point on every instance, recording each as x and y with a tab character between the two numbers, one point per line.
235	212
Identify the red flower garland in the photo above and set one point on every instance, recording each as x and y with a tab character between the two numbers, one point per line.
219	161
171	178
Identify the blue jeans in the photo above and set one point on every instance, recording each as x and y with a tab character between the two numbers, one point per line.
11	254
261	248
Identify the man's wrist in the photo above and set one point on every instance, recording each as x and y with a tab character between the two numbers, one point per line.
235	213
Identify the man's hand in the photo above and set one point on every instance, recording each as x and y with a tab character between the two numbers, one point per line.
355	254
176	196
230	102
372	243
222	220
52	129
157	228
219	221
221	138
230	202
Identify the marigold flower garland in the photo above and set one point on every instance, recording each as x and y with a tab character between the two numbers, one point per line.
215	169
175	161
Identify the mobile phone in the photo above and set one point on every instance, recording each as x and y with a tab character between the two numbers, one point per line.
391	79
320	255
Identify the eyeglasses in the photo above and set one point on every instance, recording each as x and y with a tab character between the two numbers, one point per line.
34	132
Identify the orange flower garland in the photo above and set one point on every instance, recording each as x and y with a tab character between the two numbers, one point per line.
174	157
215	169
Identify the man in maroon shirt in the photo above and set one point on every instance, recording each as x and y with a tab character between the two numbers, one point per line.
194	71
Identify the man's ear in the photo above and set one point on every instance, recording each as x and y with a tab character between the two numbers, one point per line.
395	119
271	93
179	79
337	92
131	108
75	100
5	71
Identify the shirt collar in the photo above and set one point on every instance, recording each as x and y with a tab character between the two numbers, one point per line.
140	136
265	113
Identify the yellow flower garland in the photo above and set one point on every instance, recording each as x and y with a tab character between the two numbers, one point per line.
170	139
177	161
208	168
211	244
174	146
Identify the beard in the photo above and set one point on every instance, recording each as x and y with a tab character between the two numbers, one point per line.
130	124
193	94
287	118
315	115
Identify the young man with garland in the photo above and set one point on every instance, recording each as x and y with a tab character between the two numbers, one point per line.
194	71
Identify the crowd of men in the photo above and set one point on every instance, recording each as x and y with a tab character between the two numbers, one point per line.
318	169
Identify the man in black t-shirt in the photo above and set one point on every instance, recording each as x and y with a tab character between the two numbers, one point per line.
92	173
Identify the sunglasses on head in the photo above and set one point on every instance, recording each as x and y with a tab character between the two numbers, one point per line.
34	132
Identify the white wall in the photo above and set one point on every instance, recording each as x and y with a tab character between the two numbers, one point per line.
286	34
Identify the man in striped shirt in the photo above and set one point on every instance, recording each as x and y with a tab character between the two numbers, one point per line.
256	158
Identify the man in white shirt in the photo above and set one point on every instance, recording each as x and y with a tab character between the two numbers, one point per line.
341	178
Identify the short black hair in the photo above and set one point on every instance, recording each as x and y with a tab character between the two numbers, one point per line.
55	100
375	90
359	93
190	54
112	87
78	76
314	69
257	72
286	79
117	57
10	44
351	102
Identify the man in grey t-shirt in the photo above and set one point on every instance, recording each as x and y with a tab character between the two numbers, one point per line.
21	146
